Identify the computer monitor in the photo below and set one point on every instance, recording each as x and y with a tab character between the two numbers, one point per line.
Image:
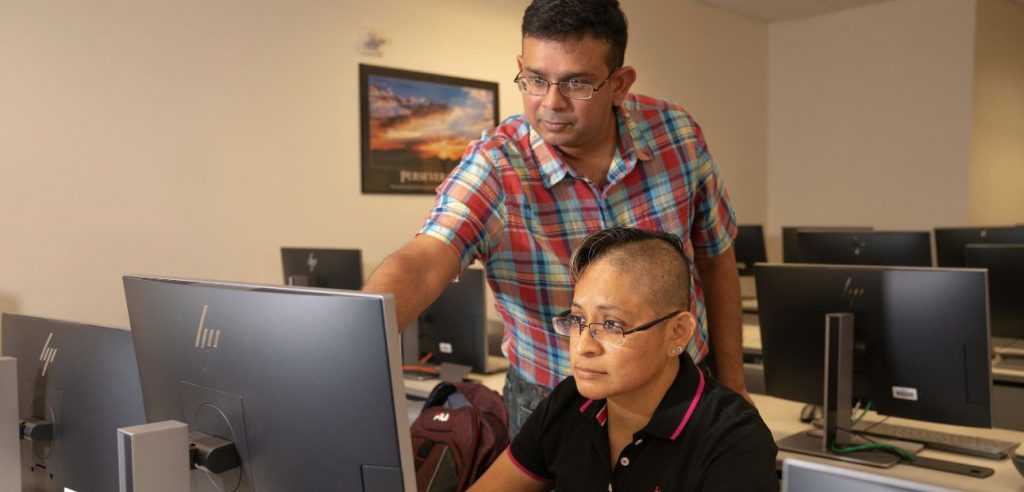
921	340
950	241
1005	264
749	248
326	268
454	328
805	476
305	382
888	248
791	245
78	384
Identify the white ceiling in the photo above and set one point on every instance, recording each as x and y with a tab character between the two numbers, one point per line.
778	10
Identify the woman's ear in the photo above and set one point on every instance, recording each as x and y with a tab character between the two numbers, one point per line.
681	330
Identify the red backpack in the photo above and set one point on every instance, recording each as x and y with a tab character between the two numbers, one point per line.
462	429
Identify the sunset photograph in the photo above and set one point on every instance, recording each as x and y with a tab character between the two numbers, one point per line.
418	129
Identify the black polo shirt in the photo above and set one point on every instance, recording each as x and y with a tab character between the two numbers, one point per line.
702	436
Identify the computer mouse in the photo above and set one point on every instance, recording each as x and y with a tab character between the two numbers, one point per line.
810	413
1018	462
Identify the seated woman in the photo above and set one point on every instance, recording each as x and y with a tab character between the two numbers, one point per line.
637	414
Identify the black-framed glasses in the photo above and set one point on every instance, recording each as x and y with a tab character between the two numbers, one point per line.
610	331
573	89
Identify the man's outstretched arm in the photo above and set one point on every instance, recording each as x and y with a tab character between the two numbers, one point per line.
416	275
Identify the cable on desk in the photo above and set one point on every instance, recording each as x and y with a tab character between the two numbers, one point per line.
902	453
897	450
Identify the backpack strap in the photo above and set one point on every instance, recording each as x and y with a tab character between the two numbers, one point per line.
439	395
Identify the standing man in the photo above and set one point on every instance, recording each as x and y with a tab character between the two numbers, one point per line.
586	155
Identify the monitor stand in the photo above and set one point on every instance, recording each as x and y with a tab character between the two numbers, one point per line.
10	448
159	457
838	393
153	457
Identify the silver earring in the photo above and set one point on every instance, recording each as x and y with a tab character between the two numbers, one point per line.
679	349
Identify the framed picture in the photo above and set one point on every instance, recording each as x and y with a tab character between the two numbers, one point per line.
416	126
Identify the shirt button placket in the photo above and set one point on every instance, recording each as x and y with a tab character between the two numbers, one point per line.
624	461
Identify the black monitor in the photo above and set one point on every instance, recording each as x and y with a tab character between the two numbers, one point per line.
305	382
791	245
77	384
1005	264
454	328
950	241
749	248
887	248
326	268
921	344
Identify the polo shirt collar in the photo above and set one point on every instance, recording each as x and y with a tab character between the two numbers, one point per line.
676	409
679	405
633	146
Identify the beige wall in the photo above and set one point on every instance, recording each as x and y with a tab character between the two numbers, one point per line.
869	116
715	63
997	137
196	138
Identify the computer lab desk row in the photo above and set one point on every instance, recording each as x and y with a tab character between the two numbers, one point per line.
1007	387
783	418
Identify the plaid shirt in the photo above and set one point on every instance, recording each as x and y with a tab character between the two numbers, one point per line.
515	205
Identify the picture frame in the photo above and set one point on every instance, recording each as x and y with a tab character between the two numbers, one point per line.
415	126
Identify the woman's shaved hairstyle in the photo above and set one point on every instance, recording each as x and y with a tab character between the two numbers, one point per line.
655	257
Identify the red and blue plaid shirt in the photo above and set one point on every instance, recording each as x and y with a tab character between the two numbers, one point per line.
516	206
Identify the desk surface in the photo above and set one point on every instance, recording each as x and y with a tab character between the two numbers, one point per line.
782	417
421	388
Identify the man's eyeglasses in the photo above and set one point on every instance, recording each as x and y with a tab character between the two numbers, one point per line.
573	89
607	332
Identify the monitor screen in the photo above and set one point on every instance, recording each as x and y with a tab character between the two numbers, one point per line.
921	346
305	382
82	382
950	242
791	245
889	248
454	327
326	268
1005	264
749	248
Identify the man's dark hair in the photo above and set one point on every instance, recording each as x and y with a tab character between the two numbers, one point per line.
655	257
560	20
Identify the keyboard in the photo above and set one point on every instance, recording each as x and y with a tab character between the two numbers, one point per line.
944	441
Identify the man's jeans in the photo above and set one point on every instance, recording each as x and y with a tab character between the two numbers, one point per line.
521	397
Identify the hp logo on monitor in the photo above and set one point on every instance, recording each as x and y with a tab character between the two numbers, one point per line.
206	337
311	262
48	353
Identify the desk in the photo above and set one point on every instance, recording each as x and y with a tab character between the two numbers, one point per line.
782	417
421	389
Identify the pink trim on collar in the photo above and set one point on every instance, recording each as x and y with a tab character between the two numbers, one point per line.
602	415
585	405
693	405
